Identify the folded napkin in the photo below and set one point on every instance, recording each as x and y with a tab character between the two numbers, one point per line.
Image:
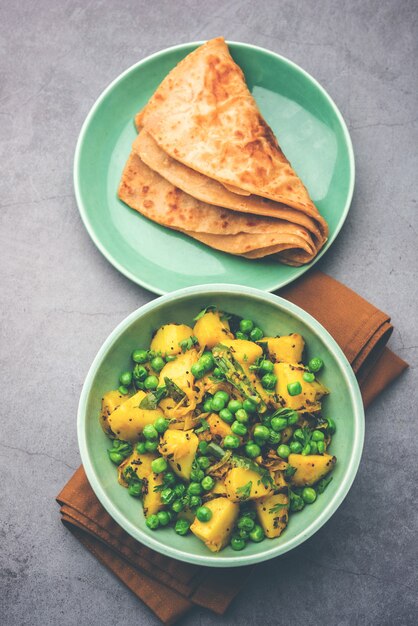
170	588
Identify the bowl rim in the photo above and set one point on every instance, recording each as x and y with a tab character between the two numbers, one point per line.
84	213
343	488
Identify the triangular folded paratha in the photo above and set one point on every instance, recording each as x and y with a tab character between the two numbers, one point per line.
204	116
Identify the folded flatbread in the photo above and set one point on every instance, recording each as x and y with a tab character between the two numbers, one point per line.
204	116
156	198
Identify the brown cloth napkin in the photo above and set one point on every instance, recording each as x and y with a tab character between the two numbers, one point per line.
170	588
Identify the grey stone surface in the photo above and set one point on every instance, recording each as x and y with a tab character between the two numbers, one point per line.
60	298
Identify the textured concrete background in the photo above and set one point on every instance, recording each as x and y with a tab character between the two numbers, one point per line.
61	298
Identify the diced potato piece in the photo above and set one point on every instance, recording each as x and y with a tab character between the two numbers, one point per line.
110	402
244	484
218	426
140	463
310	468
179	448
309	398
279	479
243	351
180	372
273	514
219	488
288	348
152	499
167	338
216	532
210	330
128	421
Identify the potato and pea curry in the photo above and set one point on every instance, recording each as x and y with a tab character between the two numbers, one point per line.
219	430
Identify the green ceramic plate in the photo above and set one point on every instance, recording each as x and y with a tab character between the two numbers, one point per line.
312	134
275	316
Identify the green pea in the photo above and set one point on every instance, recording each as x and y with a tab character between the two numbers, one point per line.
198	370
139	373
243	534
306	450
309	495
125	379
283	451
252	450
151	382
177	506
256	334
203	462
246	326
226	416
167	495
246	523
194	501
150	432
296	447
278	424
231	442
218	373
135	489
293	418
207	406
308	377
321	447
318	435
151	446
237	543
163	518
299	434
242	416
204	514
123	390
296	503
169	479
207	483
234	406
157	363
152	522
240	335
217	404
140	447
269	381
316	364
180	490
257	534
194	489
161	425
274	438
196	475
222	394
207	361
203	446
140	356
249	405
115	457
331	426
159	465
294	389
266	366
261	434
170	357
182	527
239	429
314	447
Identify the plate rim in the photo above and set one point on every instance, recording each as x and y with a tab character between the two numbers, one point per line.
125	271
326	513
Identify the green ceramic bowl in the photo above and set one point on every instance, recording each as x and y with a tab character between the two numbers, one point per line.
276	316
311	132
